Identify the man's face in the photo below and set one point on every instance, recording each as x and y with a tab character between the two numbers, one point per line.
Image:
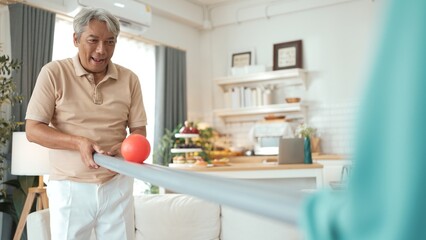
95	47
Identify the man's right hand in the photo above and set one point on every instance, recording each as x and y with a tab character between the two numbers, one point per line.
86	148
41	133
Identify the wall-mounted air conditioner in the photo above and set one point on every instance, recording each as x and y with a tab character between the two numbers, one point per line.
68	8
135	17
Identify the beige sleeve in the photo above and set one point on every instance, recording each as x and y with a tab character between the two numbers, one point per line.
41	106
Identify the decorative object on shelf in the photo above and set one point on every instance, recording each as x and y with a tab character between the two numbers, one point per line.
288	55
292	100
306	132
241	59
274	117
267	95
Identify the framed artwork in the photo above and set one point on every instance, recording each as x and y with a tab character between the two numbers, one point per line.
288	55
241	59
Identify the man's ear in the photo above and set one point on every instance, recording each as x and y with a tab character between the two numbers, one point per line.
75	39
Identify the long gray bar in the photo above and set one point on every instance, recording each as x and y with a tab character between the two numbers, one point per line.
260	198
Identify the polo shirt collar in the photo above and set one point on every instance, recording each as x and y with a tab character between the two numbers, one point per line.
80	71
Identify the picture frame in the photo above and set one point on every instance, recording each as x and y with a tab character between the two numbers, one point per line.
241	59
288	55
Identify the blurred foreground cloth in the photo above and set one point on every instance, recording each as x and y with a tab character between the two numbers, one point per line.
386	199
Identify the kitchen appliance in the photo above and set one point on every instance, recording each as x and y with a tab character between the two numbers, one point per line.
291	151
266	136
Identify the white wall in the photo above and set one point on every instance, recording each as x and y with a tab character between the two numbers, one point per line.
174	34
337	44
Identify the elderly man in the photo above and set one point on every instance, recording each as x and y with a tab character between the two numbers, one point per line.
80	106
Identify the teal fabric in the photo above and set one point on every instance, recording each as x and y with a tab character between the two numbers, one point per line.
386	198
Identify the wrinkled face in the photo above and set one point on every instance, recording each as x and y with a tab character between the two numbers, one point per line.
95	47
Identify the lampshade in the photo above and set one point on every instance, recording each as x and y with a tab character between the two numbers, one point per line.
28	158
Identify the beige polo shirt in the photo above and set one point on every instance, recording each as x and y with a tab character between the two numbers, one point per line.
66	97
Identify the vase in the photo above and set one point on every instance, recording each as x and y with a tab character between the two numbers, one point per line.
315	146
307	150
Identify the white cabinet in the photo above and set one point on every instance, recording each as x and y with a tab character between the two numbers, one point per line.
235	90
332	170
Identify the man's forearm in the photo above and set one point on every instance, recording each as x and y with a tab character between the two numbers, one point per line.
41	133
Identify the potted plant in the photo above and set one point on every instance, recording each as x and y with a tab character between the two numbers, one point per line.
8	97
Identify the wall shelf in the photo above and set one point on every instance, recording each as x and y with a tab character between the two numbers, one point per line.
291	111
286	77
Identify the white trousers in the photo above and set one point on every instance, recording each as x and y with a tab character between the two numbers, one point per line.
78	209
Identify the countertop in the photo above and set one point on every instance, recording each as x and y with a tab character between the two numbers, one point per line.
249	166
256	163
259	159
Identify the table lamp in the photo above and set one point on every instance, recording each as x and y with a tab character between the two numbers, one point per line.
29	159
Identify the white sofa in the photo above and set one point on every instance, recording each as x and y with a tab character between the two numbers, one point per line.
182	217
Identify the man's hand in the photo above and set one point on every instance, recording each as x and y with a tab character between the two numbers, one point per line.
115	150
86	148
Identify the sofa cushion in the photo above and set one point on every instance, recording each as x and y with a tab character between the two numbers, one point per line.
242	225
38	225
177	217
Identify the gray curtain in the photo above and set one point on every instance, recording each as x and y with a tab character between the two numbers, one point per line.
32	32
171	102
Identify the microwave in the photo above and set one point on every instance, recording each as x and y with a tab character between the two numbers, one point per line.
266	136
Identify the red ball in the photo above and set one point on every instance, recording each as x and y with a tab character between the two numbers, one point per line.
135	148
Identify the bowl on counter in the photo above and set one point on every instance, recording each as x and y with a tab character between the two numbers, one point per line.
292	100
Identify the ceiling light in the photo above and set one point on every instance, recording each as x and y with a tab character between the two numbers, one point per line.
117	4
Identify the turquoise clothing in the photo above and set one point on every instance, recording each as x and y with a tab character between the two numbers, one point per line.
386	196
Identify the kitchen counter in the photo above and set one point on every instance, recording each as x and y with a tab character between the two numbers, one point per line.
325	169
253	166
259	171
259	159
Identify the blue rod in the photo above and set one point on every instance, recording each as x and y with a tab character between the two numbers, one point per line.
260	198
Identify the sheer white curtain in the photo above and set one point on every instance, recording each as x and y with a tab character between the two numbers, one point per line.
5	47
130	53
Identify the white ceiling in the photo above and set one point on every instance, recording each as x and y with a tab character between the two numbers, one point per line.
216	3
210	2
